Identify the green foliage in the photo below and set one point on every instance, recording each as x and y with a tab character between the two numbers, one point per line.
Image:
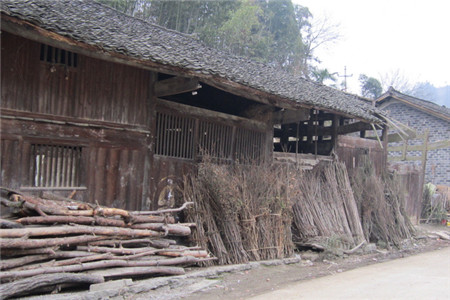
281	23
275	32
370	87
321	75
243	34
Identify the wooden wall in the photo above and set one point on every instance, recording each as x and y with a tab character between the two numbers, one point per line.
95	89
101	106
353	151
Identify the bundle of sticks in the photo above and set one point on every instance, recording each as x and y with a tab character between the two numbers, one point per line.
52	240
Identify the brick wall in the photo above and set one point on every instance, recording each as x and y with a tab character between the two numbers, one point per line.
438	164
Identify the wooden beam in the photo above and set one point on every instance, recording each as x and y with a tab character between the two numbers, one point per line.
333	130
259	112
46	132
73	121
288	116
407	158
176	85
431	146
186	110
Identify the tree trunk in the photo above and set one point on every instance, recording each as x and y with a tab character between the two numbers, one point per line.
83	267
40	243
25	286
135	271
9	224
6	264
80	229
101	221
171	229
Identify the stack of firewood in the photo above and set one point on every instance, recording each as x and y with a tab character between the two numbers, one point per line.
53	240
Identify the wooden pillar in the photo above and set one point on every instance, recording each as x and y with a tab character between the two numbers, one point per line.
424	161
385	141
334	126
149	185
284	139
362	134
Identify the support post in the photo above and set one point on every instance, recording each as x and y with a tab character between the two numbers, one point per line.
424	161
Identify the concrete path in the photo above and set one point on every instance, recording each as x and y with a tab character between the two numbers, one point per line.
423	276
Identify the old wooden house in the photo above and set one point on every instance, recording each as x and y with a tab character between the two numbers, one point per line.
116	108
422	116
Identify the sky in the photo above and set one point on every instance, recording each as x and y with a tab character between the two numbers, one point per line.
381	37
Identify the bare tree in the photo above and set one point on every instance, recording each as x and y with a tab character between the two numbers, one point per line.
320	33
397	80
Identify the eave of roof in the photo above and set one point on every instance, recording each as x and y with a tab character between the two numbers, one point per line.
428	107
97	28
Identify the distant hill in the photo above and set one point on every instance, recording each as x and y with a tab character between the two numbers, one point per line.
427	91
443	96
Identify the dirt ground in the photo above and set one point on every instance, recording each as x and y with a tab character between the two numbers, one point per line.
245	284
422	276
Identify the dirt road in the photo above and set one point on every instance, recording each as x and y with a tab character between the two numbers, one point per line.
423	276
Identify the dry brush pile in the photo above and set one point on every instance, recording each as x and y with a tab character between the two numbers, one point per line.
325	211
61	241
381	206
246	213
242	212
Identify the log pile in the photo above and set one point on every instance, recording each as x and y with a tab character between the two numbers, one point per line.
73	242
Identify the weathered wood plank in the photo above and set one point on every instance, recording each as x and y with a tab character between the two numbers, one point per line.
163	105
82	134
176	85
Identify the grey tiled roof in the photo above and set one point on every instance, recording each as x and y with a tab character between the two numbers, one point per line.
424	105
109	30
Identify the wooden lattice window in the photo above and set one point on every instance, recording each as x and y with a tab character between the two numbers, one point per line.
56	166
175	136
58	56
249	145
215	140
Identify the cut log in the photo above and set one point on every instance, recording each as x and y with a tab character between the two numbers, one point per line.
80	229
9	224
66	262
198	253
6	264
40	243
170	229
313	246
63	208
156	243
17	252
84	267
101	221
106	211
162	211
119	251
25	286
138	271
52	207
442	235
353	250
151	219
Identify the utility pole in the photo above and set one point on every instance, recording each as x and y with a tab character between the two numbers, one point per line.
345	78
